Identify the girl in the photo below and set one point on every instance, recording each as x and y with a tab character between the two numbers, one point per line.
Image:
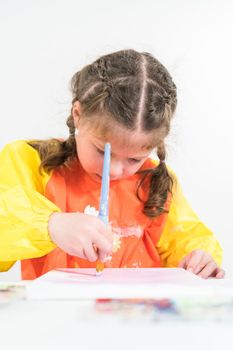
50	189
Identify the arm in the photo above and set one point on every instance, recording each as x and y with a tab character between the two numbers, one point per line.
24	210
185	233
30	225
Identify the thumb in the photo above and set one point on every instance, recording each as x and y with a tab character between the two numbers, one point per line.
103	257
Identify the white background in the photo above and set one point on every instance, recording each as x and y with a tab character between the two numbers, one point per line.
43	43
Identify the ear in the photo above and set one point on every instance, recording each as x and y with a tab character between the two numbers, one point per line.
76	113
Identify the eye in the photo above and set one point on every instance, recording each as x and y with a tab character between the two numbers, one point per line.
100	151
133	160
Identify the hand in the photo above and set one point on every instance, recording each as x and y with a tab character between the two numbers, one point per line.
81	235
201	264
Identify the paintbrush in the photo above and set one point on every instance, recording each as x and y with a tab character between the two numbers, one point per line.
104	196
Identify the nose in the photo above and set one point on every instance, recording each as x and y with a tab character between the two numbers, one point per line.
116	169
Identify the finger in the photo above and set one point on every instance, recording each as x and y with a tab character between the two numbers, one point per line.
220	273
198	261
90	252
103	245
79	253
104	257
105	230
183	262
82	255
208	270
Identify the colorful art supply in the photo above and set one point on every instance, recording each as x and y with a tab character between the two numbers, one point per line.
103	207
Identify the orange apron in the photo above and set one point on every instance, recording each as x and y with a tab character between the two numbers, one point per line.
72	190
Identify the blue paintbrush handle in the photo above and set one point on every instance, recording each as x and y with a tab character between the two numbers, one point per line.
103	209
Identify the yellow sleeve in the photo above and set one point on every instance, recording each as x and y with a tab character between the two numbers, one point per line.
24	210
184	232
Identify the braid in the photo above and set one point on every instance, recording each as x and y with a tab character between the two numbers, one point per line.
54	152
71	126
101	67
160	185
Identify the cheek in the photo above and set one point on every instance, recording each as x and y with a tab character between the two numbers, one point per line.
96	165
89	160
131	169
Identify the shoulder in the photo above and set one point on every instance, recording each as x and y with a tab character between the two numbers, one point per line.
153	163
20	154
20	164
149	164
20	148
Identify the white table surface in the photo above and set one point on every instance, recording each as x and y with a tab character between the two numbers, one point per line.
28	324
58	325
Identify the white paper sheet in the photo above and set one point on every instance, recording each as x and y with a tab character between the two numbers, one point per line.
119	283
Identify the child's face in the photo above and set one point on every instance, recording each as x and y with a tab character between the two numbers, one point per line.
128	152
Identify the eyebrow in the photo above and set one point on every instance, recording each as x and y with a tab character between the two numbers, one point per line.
113	154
